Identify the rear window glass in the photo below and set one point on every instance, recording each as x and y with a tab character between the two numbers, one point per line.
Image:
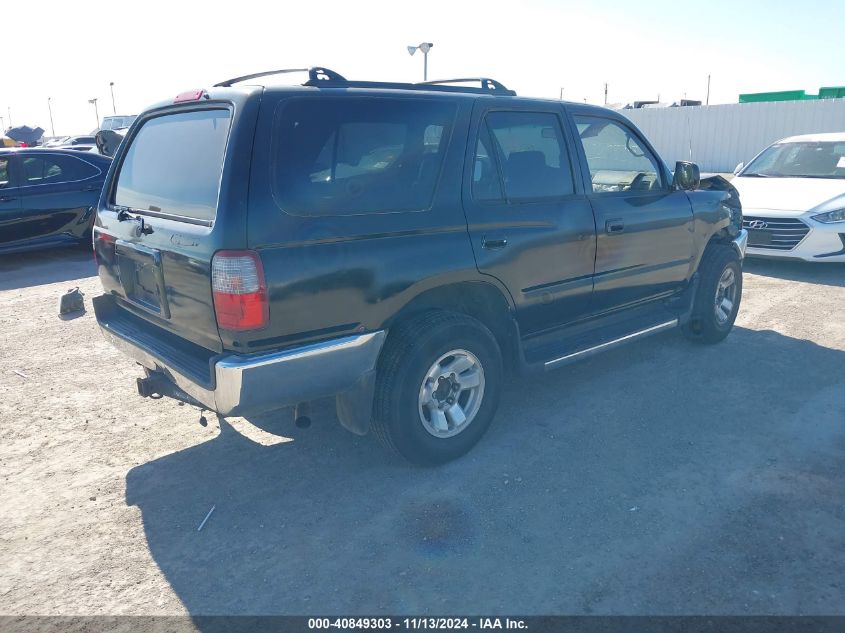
352	156
174	163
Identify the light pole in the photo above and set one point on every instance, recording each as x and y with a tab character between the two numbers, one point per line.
9	108
424	47
96	111
50	108
2	125
111	87
561	94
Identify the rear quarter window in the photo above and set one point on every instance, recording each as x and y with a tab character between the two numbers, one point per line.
349	156
49	169
174	163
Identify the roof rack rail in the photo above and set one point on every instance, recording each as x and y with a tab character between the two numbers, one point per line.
316	74
319	76
487	85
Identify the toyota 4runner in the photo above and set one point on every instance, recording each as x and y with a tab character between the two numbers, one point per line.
399	247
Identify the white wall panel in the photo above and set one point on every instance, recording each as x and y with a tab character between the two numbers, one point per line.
718	137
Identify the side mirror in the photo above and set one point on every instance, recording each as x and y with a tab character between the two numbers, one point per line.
738	168
687	175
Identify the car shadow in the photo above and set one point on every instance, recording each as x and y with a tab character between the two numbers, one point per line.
823	273
604	487
35	268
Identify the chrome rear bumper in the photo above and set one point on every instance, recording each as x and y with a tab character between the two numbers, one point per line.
244	384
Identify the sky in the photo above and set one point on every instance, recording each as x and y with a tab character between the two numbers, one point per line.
70	50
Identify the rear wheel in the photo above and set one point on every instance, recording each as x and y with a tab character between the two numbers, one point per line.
438	386
718	296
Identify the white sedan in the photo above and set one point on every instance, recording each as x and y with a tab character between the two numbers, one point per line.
793	199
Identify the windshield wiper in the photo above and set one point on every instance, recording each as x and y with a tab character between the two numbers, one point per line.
757	175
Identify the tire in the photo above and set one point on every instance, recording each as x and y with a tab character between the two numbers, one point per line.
708	323
416	348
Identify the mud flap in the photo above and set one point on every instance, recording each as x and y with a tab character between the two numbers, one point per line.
355	405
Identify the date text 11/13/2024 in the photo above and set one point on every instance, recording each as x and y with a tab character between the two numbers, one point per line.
435	624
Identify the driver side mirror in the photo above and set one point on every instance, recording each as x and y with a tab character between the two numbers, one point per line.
738	168
687	175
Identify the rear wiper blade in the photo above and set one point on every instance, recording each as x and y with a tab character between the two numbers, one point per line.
142	229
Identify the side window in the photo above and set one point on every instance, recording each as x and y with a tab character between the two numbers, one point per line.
532	155
43	170
616	158
4	172
349	156
38	170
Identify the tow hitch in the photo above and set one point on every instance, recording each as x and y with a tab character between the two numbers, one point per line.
156	385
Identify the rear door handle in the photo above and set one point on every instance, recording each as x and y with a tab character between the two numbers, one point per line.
493	244
7	199
91	188
614	226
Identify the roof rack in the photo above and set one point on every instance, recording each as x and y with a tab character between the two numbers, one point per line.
316	74
487	85
319	76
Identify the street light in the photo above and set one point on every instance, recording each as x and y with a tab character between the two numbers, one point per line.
424	47
96	111
111	87
50	108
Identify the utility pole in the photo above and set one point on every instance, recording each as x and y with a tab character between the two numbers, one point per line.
708	91
111	87
605	93
9	108
96	111
2	125
561	93
50	108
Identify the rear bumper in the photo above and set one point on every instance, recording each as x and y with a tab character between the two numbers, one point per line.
245	384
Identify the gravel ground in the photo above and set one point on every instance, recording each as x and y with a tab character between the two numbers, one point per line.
661	478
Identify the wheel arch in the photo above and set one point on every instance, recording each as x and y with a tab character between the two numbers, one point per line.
479	299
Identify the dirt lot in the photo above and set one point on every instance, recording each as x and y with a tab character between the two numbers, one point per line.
658	478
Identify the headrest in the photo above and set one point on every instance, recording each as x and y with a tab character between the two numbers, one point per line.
526	161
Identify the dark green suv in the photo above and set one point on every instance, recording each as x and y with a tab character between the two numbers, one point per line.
400	247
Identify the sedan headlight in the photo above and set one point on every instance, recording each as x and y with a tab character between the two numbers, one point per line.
838	215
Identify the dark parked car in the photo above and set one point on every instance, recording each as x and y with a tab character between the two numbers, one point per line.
401	247
48	197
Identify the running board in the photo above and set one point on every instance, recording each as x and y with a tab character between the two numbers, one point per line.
603	347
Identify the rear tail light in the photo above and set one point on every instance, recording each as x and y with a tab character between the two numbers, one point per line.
103	244
240	294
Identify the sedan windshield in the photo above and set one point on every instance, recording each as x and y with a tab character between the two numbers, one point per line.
800	160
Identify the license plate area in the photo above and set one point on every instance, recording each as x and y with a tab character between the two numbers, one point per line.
759	238
142	278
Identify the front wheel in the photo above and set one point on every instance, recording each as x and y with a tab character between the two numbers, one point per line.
719	293
438	385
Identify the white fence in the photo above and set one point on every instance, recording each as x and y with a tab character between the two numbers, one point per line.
718	137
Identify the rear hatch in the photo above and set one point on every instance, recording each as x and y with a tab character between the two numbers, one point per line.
175	195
